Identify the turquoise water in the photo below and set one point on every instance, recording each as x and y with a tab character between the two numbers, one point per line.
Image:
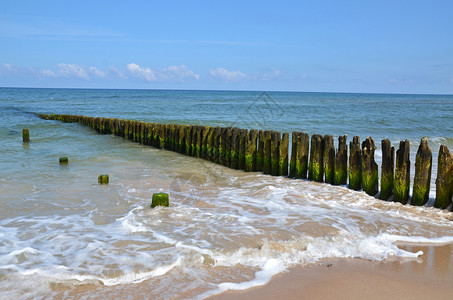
224	229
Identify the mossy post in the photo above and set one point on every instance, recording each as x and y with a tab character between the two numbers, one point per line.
355	164
162	136
329	159
211	144
243	140
341	162
204	141
316	165
195	141
267	169
160	199
444	180
275	152
370	174
260	151
422	177
25	135
387	169
182	139
401	184
217	144
235	147
250	151
188	135
103	179
64	160
228	144
284	153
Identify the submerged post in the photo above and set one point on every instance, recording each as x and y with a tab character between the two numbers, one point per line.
25	135
355	164
387	169
103	179
370	177
316	165
341	162
422	177
444	181
160	199
401	183
329	159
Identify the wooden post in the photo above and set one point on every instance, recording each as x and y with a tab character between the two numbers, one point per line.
182	139
316	165
267	153
355	164
370	176
160	199
103	179
401	184
204	141
217	144
299	155
275	152
210	144
341	162
223	146
235	148
444	181
162	136
188	135
260	152
25	135
387	169
243	140
329	159
64	160
283	156
250	151
422	177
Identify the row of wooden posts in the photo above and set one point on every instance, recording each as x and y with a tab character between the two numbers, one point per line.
268	152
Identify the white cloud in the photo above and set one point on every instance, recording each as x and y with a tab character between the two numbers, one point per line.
224	74
171	73
72	70
48	73
99	73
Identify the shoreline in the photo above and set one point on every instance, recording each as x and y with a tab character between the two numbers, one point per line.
428	276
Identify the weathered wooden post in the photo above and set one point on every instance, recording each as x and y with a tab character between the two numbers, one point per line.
422	177
316	165
243	140
355	164
160	199
387	169
250	151
275	152
370	174
25	135
217	144
210	144
341	162
267	169
223	146
401	184
283	155
228	144
188	135
299	155
444	180
329	159
103	179
162	136
260	152
182	139
235	146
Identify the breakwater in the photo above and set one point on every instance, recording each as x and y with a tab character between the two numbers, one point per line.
313	158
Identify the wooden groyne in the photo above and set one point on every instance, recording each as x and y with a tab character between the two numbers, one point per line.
314	158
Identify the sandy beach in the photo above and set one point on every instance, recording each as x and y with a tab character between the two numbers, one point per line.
428	277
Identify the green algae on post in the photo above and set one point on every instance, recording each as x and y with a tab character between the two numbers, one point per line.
283	158
401	184
316	165
160	199
387	169
341	162
275	152
444	180
63	160
25	135
250	151
355	164
422	177
329	159
103	179
267	152
260	151
370	177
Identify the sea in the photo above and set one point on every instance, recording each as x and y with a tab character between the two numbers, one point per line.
64	236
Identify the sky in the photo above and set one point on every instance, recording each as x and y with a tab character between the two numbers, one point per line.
313	46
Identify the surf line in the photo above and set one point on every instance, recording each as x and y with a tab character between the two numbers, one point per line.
314	158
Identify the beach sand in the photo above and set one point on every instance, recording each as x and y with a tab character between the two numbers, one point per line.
428	277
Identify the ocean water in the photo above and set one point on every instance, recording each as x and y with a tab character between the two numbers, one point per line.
62	234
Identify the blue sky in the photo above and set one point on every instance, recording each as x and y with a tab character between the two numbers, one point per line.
326	46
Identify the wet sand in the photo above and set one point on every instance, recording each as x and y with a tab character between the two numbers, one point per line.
428	277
